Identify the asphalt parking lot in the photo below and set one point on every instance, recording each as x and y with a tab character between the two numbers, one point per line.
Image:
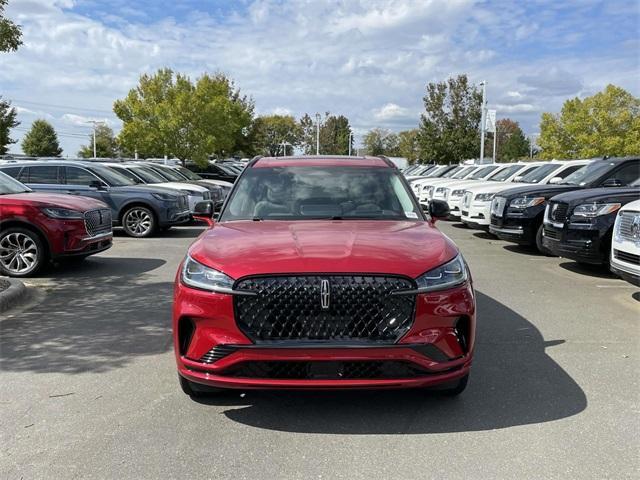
89	388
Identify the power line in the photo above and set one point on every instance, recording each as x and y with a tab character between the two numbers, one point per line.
62	134
66	107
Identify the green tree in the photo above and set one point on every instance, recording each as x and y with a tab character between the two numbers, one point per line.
512	144
379	141
607	123
168	114
106	144
41	140
408	145
10	33
272	130
449	129
334	134
8	121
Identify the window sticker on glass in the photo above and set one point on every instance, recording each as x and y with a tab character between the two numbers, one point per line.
411	214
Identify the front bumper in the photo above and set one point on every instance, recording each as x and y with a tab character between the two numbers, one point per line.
477	215
520	230
70	239
582	245
431	349
454	206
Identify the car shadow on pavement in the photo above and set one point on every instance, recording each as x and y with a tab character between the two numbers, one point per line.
485	235
513	382
189	231
597	271
97	315
523	250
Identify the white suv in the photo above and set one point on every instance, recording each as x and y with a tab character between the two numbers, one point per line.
625	245
475	205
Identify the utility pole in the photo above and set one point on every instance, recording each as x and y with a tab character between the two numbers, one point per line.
495	136
483	119
317	134
350	138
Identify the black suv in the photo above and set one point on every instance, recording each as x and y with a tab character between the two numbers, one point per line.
579	224
214	172
517	215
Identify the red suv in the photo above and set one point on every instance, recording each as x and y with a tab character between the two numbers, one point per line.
38	227
323	272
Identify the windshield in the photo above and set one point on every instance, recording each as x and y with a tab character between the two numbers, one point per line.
303	193
539	173
505	173
588	173
10	185
227	169
148	175
123	171
462	172
483	172
166	173
188	174
452	172
113	178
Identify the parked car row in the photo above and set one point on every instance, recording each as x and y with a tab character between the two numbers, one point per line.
57	208
584	210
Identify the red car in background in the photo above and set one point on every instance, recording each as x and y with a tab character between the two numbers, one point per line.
38	227
324	273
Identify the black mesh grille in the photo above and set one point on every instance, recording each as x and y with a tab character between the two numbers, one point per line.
626	257
558	211
330	370
360	309
98	222
551	233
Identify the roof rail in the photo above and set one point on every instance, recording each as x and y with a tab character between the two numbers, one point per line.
254	160
388	161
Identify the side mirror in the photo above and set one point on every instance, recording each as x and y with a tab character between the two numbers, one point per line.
436	209
97	184
203	212
555	180
612	182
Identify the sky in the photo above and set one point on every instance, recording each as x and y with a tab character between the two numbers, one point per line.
369	60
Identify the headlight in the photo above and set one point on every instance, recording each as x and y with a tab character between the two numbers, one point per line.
166	197
591	210
485	197
197	275
446	276
520	203
440	190
63	213
457	193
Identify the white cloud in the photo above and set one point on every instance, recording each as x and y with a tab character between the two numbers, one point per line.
390	111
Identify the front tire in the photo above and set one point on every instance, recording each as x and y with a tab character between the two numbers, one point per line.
541	248
195	390
457	389
22	252
139	222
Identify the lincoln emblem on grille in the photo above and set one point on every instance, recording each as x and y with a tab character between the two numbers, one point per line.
325	294
635	227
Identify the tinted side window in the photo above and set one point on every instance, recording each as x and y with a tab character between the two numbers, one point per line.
568	171
79	176
626	174
11	171
41	174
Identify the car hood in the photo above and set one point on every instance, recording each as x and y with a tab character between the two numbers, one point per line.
491	187
244	248
71	202
599	194
181	186
547	191
146	189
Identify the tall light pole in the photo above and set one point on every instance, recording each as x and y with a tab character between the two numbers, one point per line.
483	119
94	123
350	138
317	134
531	140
